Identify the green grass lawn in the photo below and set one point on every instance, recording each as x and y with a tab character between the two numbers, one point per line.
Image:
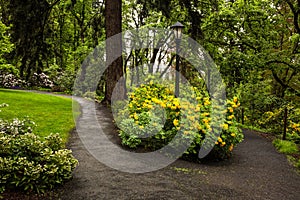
51	114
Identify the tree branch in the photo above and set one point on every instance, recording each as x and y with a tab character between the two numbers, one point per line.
296	15
285	86
53	4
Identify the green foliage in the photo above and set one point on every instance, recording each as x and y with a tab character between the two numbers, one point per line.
8	73
51	33
286	147
63	81
29	163
255	44
6	45
298	164
289	148
153	109
294	160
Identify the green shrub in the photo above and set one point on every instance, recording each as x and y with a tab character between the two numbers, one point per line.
273	122
295	161
286	147
30	163
152	108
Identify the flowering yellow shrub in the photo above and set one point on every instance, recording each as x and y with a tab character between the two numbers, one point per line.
273	122
156	116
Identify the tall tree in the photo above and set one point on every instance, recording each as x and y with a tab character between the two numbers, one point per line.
114	72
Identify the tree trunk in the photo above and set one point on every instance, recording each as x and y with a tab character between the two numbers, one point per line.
114	72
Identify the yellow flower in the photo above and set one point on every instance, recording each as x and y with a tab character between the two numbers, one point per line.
154	100
135	116
225	126
216	142
235	99
205	121
206	103
192	118
231	117
230	109
149	106
223	144
176	103
233	134
141	127
199	127
173	107
175	100
231	147
294	126
177	128
205	114
176	122
220	139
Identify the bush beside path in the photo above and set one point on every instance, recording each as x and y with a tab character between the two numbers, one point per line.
256	171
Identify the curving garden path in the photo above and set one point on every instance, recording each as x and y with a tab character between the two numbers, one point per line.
256	171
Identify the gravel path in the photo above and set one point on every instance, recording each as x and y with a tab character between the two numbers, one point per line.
256	171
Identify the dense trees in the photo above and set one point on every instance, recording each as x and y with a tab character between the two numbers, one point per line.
52	36
255	43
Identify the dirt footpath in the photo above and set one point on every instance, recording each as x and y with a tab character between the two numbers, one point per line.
256	171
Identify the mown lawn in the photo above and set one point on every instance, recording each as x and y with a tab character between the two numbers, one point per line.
51	114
